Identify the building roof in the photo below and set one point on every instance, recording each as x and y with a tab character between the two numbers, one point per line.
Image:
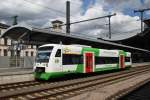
57	21
4	26
147	22
140	40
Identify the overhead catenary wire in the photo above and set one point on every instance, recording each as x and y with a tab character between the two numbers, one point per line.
25	5
8	17
85	20
62	14
76	3
49	9
118	33
141	11
104	34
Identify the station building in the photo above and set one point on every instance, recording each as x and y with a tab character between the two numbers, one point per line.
7	48
12	56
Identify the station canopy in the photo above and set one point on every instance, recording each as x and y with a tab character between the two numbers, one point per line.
140	40
37	36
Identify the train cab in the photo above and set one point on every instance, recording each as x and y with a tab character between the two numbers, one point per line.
48	59
128	59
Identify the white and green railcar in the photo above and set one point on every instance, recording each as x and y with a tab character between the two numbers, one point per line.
55	60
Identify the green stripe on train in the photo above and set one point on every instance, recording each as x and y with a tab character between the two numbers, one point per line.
95	50
122	52
46	75
80	68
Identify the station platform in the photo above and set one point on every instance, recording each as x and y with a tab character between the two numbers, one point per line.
12	75
140	64
15	71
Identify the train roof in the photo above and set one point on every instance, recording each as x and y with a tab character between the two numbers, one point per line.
76	45
49	45
72	45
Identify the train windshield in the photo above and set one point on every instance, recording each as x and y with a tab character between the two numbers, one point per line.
43	54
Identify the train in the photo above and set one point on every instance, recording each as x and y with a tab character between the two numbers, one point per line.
56	60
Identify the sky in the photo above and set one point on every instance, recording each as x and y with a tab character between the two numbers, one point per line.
40	13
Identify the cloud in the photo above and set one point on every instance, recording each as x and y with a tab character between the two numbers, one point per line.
120	24
31	11
40	13
125	23
147	3
120	5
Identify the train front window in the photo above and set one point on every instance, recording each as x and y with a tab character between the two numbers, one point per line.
43	54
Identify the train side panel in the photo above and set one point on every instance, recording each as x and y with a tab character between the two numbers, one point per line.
66	59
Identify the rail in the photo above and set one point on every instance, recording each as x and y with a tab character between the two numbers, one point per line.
66	88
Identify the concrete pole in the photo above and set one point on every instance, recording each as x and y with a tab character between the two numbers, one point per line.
68	17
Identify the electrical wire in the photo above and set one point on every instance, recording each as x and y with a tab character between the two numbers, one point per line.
51	9
2	17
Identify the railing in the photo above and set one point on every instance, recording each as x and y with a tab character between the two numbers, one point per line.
16	61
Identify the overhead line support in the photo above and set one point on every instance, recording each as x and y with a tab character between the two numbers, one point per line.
141	15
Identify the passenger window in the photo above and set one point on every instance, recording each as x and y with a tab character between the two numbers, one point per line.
58	53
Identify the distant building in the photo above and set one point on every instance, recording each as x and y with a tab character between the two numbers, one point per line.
8	49
57	25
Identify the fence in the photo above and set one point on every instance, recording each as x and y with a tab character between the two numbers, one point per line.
21	62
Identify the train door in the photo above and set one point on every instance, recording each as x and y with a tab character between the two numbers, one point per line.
88	62
121	62
58	60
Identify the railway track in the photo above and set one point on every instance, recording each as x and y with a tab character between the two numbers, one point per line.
68	88
7	87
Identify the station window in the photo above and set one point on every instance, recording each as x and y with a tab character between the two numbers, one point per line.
31	53
12	53
37	46
58	53
55	26
5	41
31	46
26	53
69	59
0	52
18	53
5	52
